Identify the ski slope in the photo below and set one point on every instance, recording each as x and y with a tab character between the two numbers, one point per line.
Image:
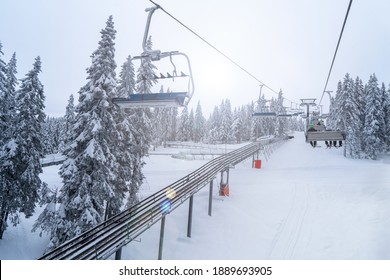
303	203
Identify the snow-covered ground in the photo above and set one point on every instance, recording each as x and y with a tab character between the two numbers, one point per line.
303	203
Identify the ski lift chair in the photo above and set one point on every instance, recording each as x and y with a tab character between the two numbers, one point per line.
171	99
264	114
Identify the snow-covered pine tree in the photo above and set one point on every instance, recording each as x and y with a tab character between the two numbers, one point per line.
138	129
142	117
226	121
191	123
172	121
20	156
199	124
66	133
331	120
387	118
246	117
214	126
3	97
271	123
140	120
126	83
237	126
385	137
145	74
51	135
90	179
339	102
357	120
258	124
48	217
160	123
183	128
8	82
373	119
349	114
281	123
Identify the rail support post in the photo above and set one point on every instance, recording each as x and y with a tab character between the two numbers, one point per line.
118	254
160	246
253	160
189	227
211	197
227	176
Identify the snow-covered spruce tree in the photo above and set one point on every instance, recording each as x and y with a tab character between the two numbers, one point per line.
199	124
280	122
191	123
8	82
331	120
226	121
66	134
246	117
214	126
90	173
48	217
172	121
387	118
52	133
336	119
132	135
126	83
158	122
349	113
183	129
3	98
142	117
237	126
373	119
385	137
271	123
258	124
20	156
145	74
357	120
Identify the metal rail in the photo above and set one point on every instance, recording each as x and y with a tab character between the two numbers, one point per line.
108	237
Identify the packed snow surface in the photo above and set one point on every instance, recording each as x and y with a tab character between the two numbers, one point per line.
303	203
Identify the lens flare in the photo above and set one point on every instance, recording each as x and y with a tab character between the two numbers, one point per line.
170	193
165	206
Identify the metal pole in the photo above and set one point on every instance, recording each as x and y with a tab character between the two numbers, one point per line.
189	227
211	197
227	176
118	254
253	160
160	247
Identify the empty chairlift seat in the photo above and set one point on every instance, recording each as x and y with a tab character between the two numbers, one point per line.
263	114
172	99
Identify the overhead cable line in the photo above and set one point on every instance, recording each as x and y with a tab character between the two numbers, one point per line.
217	50
335	53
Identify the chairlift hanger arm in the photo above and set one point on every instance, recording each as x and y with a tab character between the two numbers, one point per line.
153	53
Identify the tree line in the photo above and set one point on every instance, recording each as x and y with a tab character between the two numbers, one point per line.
363	112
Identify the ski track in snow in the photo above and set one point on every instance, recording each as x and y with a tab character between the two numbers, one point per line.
289	235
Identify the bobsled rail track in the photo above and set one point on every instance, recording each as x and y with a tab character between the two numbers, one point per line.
105	239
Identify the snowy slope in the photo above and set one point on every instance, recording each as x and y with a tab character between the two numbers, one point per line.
304	203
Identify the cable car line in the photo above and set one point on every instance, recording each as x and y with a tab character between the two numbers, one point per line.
335	53
217	50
